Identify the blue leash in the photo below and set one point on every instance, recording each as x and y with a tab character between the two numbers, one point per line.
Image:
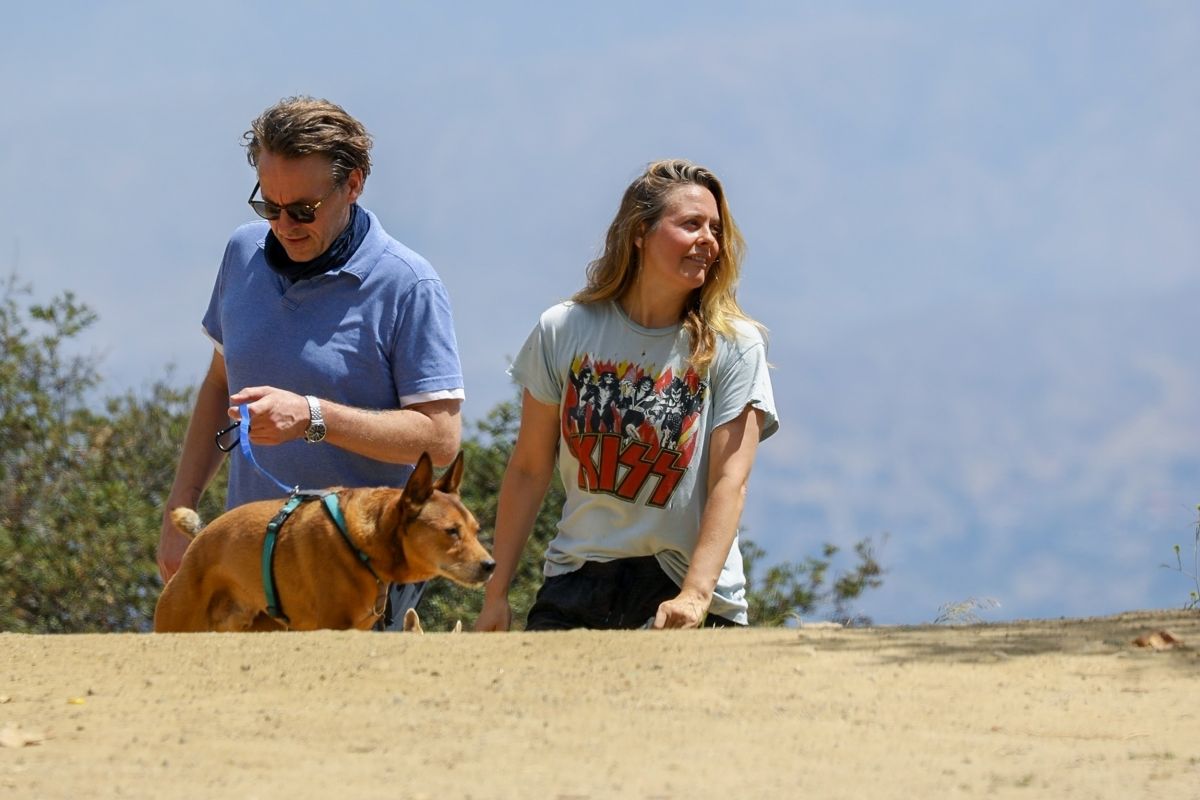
248	452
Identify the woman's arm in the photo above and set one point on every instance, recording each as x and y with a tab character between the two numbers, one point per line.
731	454
530	468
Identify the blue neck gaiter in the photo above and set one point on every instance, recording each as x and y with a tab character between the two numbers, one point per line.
336	256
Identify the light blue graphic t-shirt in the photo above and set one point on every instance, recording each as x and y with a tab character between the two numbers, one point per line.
634	425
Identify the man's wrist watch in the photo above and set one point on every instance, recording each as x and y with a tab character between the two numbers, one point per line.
316	422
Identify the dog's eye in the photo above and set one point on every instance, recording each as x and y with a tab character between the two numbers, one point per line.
453	532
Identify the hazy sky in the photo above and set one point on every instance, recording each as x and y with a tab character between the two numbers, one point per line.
886	163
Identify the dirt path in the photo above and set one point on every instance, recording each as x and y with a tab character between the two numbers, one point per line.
1064	708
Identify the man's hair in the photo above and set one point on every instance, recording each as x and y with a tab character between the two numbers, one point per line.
299	126
711	308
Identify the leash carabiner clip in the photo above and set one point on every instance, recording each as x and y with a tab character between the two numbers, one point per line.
221	435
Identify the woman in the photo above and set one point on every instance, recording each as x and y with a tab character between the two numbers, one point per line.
648	535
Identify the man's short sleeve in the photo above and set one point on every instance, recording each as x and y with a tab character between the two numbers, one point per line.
425	352
211	323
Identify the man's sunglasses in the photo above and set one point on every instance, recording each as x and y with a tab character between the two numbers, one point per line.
299	212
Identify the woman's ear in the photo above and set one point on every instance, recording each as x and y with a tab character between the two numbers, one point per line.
637	237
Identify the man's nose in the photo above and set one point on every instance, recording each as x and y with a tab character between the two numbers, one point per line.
285	222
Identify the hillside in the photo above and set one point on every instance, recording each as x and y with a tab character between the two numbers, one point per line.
1040	709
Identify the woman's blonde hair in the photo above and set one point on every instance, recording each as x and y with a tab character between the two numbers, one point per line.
711	309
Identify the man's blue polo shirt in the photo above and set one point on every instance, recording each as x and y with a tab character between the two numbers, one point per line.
377	333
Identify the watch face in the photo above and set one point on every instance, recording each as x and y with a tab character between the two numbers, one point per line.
316	423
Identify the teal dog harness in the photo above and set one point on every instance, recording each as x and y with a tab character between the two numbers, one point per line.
330	502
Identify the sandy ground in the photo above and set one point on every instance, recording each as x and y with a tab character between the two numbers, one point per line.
1067	708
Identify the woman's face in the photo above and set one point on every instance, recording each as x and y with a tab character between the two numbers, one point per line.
678	252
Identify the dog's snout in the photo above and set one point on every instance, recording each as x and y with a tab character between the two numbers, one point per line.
484	570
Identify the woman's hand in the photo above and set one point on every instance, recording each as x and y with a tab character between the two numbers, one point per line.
687	610
496	615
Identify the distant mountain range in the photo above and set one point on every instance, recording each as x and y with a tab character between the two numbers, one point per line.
1045	453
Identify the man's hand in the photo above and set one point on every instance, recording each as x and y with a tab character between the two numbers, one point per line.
276	416
171	544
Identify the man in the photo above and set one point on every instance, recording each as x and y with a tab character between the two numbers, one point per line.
338	338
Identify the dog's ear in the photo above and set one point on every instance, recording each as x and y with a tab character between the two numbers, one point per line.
452	477
412	622
419	487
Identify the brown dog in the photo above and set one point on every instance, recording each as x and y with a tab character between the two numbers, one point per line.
409	535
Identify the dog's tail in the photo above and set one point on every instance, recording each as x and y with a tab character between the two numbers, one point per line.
186	520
